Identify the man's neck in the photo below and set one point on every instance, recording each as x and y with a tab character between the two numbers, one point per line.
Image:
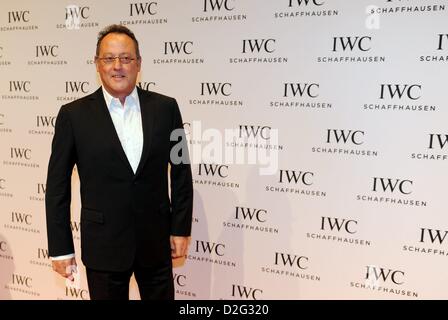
121	98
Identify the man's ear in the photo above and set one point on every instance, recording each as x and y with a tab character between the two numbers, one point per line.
139	63
96	63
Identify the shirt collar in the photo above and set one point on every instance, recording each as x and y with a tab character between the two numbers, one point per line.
131	99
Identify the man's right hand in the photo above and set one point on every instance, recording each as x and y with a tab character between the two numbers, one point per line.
65	267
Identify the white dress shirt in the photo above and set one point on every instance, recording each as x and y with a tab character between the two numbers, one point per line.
128	125
127	120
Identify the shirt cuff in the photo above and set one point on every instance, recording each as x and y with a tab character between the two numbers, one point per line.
64	257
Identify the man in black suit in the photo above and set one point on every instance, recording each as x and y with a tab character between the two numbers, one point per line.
121	140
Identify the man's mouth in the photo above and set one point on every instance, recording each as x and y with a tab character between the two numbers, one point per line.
118	76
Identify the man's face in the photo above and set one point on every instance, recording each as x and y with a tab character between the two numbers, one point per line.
118	79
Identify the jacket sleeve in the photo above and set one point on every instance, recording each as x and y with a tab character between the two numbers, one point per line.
181	178
58	192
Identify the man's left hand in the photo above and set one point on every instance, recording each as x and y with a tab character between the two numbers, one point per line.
179	246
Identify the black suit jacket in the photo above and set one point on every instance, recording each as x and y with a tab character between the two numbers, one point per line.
125	217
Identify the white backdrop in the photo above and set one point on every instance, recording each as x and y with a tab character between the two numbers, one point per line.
355	92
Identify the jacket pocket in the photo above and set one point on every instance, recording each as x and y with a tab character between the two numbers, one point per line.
92	215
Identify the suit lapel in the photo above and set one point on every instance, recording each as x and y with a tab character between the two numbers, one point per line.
148	118
105	121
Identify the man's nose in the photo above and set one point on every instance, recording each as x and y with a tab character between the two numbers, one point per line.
117	63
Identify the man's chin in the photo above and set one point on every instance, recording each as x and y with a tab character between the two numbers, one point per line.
121	89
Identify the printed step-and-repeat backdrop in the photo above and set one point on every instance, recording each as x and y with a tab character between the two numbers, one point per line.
317	131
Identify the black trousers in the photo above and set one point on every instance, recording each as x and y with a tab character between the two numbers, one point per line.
154	283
